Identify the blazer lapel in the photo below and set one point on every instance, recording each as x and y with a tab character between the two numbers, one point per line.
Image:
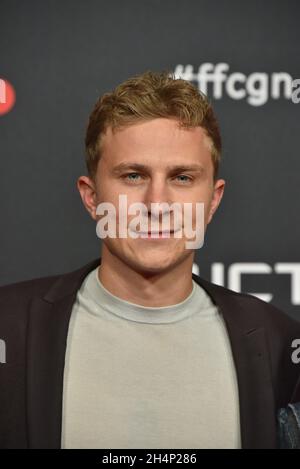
47	339
251	358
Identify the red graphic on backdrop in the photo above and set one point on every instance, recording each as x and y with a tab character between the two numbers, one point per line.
7	96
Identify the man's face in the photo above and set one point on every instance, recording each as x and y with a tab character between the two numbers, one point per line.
156	161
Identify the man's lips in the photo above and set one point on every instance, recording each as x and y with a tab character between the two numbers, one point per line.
155	234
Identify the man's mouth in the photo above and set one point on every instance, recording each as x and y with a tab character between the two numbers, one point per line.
155	234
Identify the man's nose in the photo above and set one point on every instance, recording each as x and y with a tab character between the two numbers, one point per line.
157	192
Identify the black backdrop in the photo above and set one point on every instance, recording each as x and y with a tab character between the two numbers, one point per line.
59	56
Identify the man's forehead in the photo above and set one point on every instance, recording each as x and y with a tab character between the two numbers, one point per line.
153	135
139	130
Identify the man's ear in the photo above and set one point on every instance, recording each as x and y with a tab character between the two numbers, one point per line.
86	187
216	198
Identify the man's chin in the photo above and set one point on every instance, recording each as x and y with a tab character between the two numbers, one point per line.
148	262
153	266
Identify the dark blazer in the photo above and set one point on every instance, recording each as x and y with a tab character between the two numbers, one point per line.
34	319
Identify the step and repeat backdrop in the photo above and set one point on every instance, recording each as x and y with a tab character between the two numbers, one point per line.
58	57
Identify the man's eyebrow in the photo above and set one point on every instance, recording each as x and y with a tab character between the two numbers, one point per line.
172	169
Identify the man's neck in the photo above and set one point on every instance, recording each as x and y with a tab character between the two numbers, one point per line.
150	289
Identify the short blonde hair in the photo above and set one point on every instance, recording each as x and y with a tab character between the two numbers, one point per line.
148	96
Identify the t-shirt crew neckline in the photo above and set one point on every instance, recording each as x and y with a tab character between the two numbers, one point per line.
196	301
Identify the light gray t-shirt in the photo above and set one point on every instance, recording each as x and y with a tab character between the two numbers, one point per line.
142	377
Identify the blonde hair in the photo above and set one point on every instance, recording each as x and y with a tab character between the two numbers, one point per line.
148	96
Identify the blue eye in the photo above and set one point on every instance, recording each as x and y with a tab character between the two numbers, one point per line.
134	177
188	179
132	174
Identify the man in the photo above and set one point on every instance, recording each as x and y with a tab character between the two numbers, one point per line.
133	350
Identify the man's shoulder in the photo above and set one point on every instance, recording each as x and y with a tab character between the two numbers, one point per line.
27	287
18	294
16	297
249	306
